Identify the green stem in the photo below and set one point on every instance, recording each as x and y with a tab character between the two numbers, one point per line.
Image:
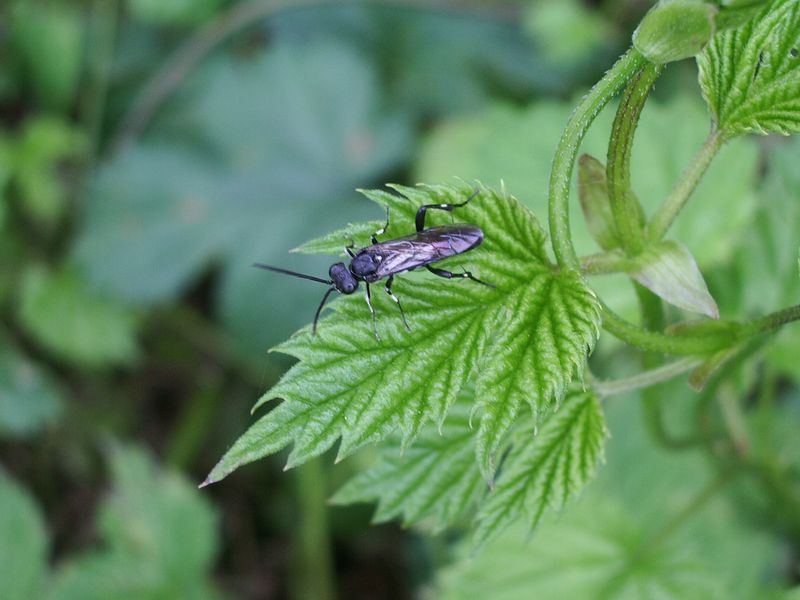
193	426
604	263
624	206
615	387
313	566
775	320
567	152
668	211
660	342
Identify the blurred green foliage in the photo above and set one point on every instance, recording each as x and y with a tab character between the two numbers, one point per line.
158	539
129	310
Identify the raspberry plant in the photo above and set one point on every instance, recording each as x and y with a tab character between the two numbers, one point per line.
487	412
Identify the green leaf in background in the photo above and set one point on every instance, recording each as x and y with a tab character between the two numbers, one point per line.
48	41
612	543
763	277
29	398
283	137
593	552
546	468
23	543
520	342
175	12
41	148
439	62
76	323
567	31
503	143
750	76
669	270
436	481
159	538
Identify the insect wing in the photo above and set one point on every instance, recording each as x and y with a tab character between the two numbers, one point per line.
428	246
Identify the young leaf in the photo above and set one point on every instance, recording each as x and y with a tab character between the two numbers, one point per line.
436	479
546	469
750	76
593	194
520	342
669	270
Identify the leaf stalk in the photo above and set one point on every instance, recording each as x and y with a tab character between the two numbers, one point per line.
624	205
668	211
567	152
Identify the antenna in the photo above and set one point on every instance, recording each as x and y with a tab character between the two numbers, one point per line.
292	273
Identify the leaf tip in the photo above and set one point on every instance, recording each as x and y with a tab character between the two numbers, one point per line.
206	482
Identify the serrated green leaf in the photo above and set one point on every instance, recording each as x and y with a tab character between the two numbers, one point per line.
335	241
23	543
606	544
546	469
66	317
515	145
520	342
265	172
436	480
750	76
669	270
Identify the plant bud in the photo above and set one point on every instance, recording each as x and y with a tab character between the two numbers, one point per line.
674	30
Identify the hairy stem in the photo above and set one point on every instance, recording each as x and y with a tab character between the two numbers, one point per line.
615	387
624	205
660	342
603	263
667	212
567	152
776	320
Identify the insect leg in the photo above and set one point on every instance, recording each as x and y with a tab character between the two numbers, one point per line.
450	275
388	288
420	220
319	309
382	230
349	249
372	311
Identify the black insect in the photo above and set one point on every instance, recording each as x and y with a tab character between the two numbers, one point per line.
384	260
